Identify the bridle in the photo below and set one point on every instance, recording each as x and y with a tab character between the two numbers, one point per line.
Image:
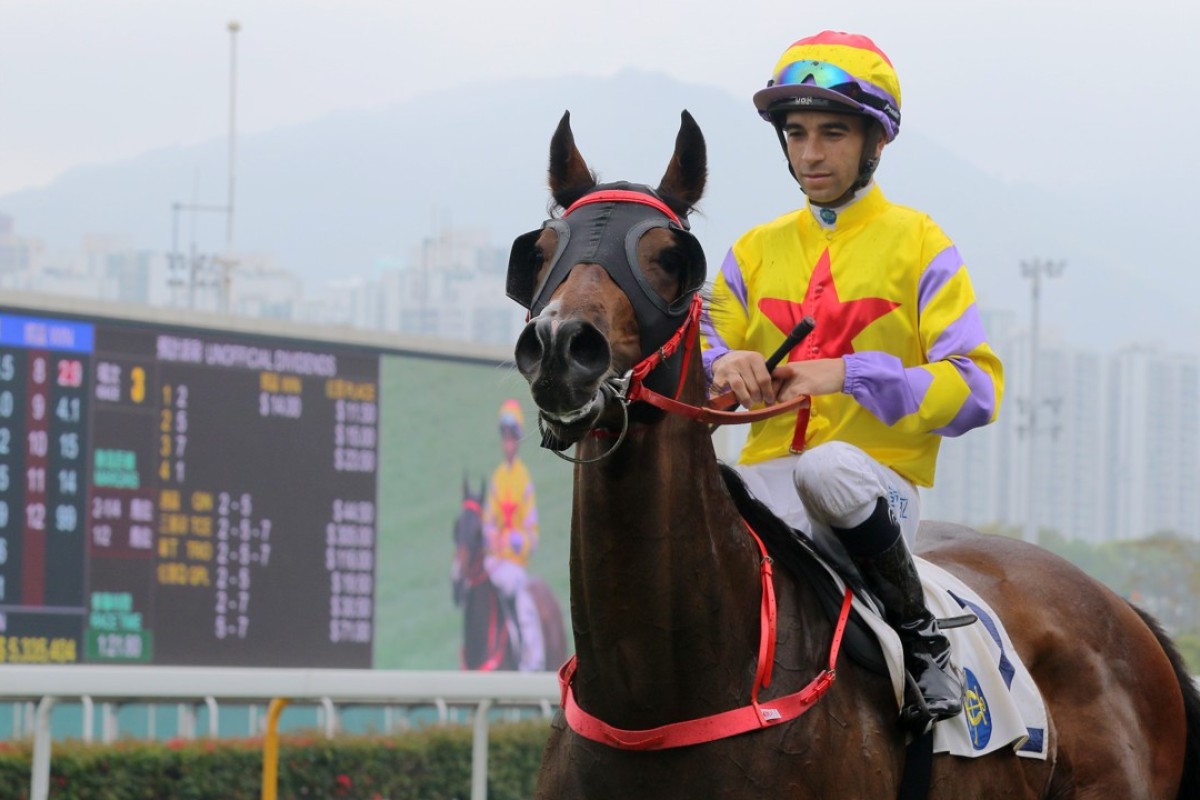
658	378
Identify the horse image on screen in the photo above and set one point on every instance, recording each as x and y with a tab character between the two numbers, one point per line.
491	638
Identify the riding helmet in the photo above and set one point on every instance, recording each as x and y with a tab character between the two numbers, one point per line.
834	71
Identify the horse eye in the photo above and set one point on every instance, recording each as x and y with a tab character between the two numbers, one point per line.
673	261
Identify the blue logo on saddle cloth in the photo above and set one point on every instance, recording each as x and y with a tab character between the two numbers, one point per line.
975	707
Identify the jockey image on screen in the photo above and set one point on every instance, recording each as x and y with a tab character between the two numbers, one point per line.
510	528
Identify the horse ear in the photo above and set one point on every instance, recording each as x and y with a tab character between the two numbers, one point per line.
570	177
688	171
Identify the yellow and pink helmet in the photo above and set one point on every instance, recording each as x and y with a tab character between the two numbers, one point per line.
834	71
511	417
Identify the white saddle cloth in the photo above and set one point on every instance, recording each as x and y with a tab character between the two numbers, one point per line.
1002	706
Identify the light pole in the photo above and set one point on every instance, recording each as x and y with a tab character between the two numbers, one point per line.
222	265
1035	270
227	261
194	262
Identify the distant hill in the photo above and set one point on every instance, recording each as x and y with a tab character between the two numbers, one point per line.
339	195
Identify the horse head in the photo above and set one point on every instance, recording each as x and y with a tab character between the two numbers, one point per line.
609	282
468	542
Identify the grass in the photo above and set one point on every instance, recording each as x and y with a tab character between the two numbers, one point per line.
438	422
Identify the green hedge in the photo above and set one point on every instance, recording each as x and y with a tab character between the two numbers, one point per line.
432	764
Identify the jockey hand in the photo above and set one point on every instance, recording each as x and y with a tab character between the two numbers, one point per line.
819	376
491	536
744	372
516	541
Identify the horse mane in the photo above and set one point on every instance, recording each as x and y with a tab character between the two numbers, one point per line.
800	556
783	542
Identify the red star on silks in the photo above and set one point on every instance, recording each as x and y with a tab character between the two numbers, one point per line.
837	322
508	510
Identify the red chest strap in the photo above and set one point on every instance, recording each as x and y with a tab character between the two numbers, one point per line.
726	723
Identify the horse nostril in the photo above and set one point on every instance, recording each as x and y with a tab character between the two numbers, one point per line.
574	350
528	354
587	351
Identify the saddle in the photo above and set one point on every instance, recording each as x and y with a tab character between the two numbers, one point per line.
815	559
1003	705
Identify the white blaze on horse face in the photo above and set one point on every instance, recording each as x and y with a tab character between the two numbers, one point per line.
551	311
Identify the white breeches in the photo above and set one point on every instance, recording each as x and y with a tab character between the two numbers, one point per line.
511	581
834	485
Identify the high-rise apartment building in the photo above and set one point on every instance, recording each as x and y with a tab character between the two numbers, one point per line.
1112	446
1151	465
452	288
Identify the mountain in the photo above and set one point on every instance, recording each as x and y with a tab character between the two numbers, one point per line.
338	196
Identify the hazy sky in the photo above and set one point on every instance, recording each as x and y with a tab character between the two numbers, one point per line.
1076	93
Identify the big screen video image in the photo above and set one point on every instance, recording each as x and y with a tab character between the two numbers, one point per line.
184	496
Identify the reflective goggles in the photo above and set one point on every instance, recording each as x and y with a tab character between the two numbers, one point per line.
823	75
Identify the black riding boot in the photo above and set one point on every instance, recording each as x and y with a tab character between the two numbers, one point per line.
878	549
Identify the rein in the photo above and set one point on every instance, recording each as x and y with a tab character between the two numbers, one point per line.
712	412
724	724
630	388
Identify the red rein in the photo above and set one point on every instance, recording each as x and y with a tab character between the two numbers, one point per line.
710	413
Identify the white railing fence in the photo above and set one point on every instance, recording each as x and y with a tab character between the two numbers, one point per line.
35	690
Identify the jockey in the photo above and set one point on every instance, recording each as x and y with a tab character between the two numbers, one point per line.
510	528
898	358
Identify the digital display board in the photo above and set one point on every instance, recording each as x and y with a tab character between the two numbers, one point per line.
185	496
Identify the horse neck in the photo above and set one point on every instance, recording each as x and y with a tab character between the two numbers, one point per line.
665	579
485	634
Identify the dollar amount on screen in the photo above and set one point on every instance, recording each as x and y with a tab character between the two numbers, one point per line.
37	650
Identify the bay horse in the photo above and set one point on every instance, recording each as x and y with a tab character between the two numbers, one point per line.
489	625
668	587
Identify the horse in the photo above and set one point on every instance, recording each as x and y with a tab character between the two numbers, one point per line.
669	591
490	638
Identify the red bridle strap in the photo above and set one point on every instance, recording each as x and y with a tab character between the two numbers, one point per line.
751	717
625	196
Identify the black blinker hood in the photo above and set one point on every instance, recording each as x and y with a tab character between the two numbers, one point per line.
606	232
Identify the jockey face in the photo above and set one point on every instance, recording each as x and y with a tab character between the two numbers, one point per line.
825	151
510	439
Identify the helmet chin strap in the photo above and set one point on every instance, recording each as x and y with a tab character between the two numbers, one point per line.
866	166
